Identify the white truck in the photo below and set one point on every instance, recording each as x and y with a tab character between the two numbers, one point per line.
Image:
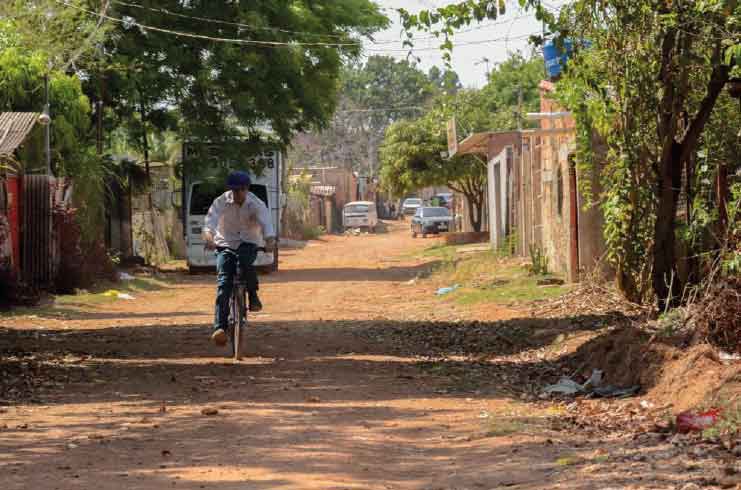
200	190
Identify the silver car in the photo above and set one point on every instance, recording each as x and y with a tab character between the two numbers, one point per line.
431	220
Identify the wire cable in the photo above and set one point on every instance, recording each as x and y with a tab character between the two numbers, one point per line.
254	42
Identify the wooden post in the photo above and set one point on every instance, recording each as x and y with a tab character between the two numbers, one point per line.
574	222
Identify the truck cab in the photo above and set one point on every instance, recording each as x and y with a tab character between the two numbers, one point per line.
198	195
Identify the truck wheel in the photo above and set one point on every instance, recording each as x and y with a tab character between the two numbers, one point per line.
424	235
414	234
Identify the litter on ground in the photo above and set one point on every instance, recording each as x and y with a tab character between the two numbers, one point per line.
592	387
450	289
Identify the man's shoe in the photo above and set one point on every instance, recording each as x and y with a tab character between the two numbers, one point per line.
255	304
219	337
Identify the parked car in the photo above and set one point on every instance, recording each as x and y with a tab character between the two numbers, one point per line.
431	220
360	214
410	205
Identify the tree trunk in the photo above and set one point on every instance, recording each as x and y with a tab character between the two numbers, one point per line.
667	284
474	211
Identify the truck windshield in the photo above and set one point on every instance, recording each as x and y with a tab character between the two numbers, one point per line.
204	193
357	209
435	212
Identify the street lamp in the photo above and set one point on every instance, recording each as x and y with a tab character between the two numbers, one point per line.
45	120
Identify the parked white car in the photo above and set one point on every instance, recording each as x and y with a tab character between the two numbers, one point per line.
410	205
360	214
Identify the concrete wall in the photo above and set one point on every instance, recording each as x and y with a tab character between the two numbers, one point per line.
555	165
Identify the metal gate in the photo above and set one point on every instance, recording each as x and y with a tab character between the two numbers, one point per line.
38	252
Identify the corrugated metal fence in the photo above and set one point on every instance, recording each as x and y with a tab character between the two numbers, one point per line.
38	253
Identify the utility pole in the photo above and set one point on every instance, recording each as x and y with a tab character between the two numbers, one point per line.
486	62
47	135
519	107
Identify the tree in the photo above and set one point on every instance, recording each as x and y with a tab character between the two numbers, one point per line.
22	79
276	66
64	36
413	152
412	157
373	95
513	81
665	76
225	72
446	81
649	82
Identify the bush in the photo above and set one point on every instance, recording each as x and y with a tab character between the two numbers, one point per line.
539	260
81	264
310	232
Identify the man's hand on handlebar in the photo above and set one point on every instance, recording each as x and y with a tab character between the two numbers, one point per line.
208	237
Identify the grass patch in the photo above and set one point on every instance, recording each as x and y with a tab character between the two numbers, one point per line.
513	293
439	251
506	427
570	460
103	293
488	277
520	418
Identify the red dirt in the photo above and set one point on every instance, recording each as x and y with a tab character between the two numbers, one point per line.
315	405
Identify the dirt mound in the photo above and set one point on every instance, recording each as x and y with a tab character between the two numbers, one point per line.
718	315
668	373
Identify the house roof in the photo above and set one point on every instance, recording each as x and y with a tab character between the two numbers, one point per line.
478	143
14	128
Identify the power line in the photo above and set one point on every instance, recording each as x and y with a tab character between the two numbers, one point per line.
386	109
306	33
504	39
202	36
225	22
127	22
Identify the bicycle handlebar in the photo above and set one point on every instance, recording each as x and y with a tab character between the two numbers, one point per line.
259	249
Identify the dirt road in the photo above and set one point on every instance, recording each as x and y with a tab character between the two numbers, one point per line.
323	400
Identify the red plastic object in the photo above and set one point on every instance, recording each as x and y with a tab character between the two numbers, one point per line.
696	422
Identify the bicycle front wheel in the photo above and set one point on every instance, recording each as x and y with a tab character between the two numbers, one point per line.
240	322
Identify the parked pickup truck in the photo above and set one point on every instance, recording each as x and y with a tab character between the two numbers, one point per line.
431	220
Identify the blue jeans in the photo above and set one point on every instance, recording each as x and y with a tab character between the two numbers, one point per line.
226	267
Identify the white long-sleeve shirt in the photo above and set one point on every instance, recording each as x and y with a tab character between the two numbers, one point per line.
231	224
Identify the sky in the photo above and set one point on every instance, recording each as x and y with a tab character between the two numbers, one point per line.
492	40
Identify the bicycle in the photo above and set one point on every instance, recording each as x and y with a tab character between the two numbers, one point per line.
237	320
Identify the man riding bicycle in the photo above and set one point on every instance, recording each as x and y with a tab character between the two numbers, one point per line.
235	223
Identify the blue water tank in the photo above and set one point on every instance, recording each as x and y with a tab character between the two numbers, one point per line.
556	56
